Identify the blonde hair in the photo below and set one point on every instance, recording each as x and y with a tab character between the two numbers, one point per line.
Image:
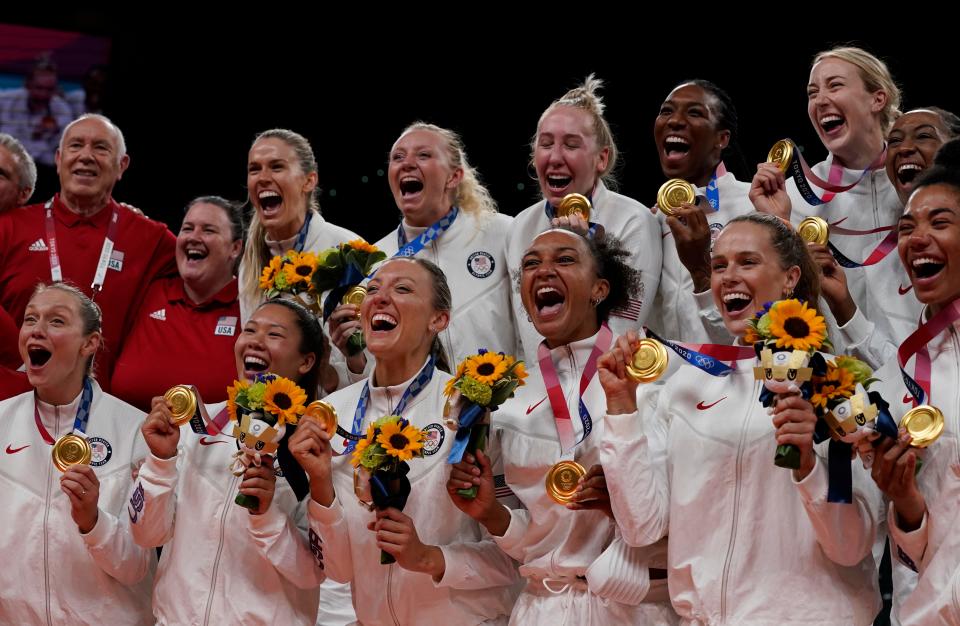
256	254
875	77
91	317
470	195
586	98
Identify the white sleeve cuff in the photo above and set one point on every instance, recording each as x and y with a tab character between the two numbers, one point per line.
100	532
813	488
857	330
325	515
624	427
515	532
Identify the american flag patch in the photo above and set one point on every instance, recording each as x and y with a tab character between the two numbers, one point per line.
501	490
631	311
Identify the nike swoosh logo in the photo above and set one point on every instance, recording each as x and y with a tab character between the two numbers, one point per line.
703	407
531	408
904	291
209	442
15	450
907	398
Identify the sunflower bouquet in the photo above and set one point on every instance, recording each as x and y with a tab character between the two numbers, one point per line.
482	383
340	269
380	459
849	411
260	411
787	335
291	273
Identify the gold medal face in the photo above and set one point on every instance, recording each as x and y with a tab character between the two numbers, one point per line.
355	295
674	193
562	481
324	413
814	230
574	204
781	154
924	424
649	361
183	403
71	450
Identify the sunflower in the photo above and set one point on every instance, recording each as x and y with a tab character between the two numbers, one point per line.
797	326
300	268
284	399
839	383
450	387
402	443
520	372
358	452
750	335
361	245
269	273
232	391
487	367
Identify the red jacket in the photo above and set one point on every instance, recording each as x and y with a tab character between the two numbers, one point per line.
143	250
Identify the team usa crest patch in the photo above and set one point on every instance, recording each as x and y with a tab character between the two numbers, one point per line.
481	264
101	451
433	440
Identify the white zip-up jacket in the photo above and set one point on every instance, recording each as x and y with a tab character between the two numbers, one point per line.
54	574
220	564
476	585
934	548
678	313
748	544
555	546
873	203
626	219
472	254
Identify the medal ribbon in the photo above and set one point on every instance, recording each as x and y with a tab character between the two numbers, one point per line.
435	230
916	344
708	356
558	403
801	173
416	386
79	423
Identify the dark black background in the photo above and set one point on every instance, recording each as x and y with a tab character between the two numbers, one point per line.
190	95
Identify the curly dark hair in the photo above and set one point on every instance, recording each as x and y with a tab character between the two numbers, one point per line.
945	169
611	259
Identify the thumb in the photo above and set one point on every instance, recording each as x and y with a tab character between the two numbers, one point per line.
484	462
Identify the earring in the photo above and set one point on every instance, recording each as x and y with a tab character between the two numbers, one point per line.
596	301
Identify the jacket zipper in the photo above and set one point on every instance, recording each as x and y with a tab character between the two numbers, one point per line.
216	562
393	613
736	514
46	519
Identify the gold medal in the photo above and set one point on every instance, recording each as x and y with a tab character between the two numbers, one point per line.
562	481
781	154
71	450
924	424
649	361
183	403
324	413
673	193
814	230
355	295
574	204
